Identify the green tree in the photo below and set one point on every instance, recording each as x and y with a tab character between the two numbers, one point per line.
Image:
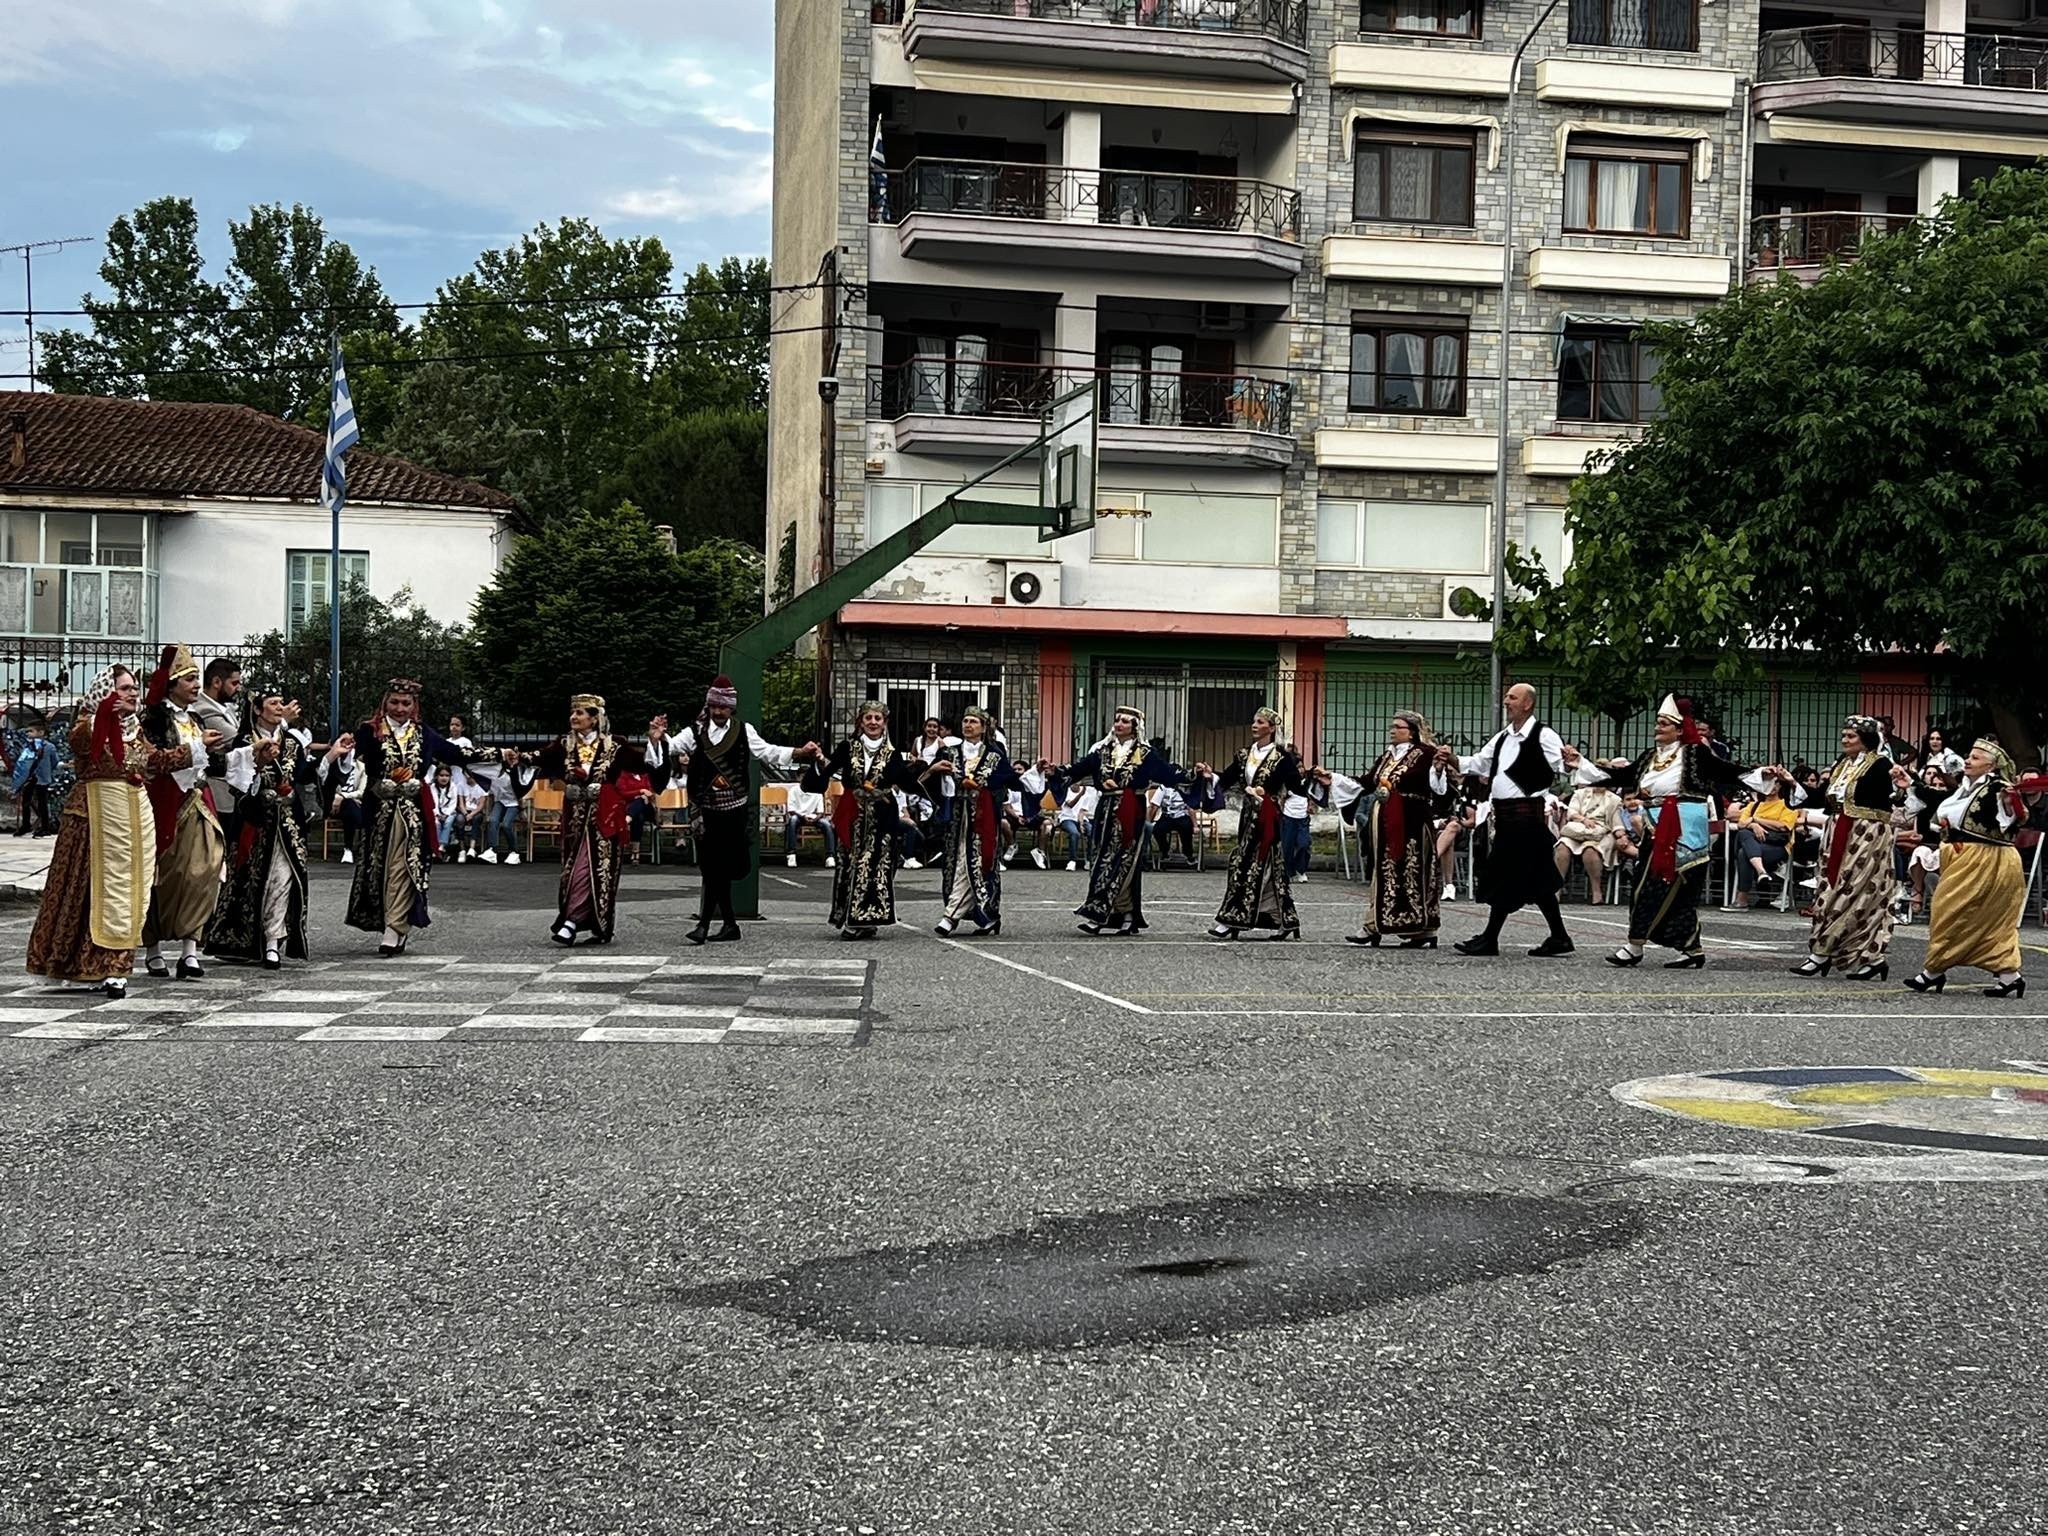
379	640
718	338
704	475
459	418
159	332
1853	468
596	601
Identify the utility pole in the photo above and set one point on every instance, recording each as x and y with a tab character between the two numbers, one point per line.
828	466
28	273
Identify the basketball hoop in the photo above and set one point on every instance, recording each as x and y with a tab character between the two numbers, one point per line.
1102	512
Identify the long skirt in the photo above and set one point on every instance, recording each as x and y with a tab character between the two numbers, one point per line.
1403	898
390	885
1521	866
1115	878
1977	909
973	885
265	893
588	894
1667	912
1255	893
97	892
1852	911
864	884
187	876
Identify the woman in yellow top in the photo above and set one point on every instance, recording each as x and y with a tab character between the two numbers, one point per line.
1762	830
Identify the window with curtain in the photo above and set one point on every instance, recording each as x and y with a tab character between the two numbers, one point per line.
1608	375
1402	366
1412	178
1445	18
1424	536
305	587
1543	538
1627	189
1192	528
1664	24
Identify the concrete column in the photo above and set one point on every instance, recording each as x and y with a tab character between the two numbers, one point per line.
1940	176
1946	22
1073	338
1081	154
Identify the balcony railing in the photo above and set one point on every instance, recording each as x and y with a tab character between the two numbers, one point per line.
1286	20
1654	24
1811	239
953	386
1829	53
1139	199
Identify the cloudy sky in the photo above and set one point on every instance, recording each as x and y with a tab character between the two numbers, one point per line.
421	130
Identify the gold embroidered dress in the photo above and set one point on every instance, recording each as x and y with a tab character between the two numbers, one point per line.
870	770
588	895
1404	893
1255	893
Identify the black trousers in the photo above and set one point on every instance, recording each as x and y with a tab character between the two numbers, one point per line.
34	801
722	858
1521	869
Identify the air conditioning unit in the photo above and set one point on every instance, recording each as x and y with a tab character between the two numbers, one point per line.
1467	598
1028	583
1220	319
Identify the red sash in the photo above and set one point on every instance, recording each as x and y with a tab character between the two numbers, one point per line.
1130	808
1664	851
1394	825
984	823
430	834
842	818
1269	823
1838	847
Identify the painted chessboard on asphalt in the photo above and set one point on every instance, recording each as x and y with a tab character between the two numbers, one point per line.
589	996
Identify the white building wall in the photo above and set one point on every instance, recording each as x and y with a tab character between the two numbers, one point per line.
222	567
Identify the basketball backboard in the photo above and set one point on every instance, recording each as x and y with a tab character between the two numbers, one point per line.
1066	473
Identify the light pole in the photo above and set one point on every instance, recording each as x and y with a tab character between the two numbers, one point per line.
1507	289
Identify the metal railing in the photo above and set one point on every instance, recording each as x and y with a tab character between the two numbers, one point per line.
1286	20
952	386
1808	239
1137	199
1671	25
2008	62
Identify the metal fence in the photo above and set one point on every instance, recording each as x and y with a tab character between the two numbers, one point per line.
1286	20
2016	62
1131	396
1105	195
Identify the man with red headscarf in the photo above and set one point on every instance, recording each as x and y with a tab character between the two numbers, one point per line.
190	845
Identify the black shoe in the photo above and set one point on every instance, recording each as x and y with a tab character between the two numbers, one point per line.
2017	987
191	970
1369	940
1551	949
698	934
1926	983
1124	931
1093	930
1696	962
1876	970
1479	946
1222	932
271	960
987	930
566	934
154	966
115	987
1812	967
944	927
1625	957
388	950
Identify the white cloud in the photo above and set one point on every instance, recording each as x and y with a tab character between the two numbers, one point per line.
224	140
723	196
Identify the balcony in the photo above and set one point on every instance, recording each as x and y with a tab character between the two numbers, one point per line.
954	405
1806	244
978	210
1936	80
1214	39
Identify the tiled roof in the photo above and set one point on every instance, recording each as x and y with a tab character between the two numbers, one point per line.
79	444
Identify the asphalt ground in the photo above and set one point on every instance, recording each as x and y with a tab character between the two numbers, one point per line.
1075	1235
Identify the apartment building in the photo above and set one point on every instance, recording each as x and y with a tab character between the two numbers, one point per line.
1273	231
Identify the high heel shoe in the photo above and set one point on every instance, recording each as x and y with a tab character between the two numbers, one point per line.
2017	987
1369	940
1696	962
1625	958
1812	967
1222	933
1926	983
1427	941
989	931
944	928
272	961
1877	970
1284	935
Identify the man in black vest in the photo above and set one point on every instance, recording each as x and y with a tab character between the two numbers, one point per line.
1520	765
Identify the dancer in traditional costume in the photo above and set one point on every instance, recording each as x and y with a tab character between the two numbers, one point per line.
870	769
1255	893
190	845
1983	891
587	899
1677	779
388	896
979	778
1122	767
1405	792
722	752
1852	910
261	914
1518	766
103	864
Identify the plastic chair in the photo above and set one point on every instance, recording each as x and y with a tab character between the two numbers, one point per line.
671	815
543	815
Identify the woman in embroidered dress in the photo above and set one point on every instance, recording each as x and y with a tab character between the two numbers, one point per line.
103	864
1122	767
1677	780
583	762
261	913
870	769
981	777
1255	893
1852	910
1406	791
1983	892
389	893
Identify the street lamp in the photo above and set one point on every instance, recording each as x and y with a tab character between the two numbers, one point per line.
1507	288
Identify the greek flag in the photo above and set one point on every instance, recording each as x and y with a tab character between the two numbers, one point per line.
342	435
878	175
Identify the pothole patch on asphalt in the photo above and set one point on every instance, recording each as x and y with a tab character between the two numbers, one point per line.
1190	1269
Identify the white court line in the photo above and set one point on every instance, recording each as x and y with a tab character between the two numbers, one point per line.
644	960
42	1015
378	1032
1058	981
263	1020
628	1035
1621	1013
783	880
669	1011
754	1024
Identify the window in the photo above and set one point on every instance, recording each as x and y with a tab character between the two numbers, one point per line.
1408	365
1412	178
1543	538
1627	189
1606	374
1669	24
1401	536
305	583
1445	18
1185	528
895	504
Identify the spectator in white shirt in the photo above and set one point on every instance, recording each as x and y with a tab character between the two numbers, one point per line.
806	808
1077	816
505	807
